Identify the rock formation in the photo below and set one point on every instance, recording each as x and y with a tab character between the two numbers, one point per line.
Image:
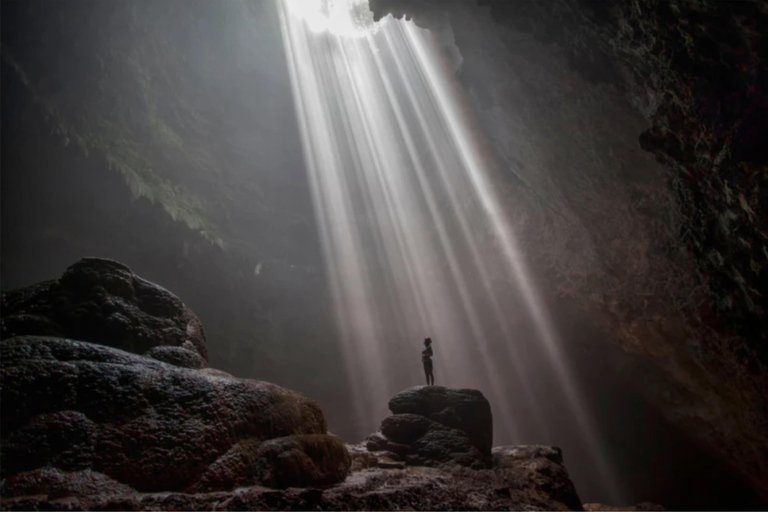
81	417
77	406
102	301
89	426
433	425
536	475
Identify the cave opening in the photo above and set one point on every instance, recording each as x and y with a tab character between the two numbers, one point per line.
325	188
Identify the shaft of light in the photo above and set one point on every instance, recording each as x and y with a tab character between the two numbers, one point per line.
390	160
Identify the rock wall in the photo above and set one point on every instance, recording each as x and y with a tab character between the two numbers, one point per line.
667	256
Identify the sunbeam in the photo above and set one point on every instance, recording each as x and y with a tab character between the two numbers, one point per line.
411	228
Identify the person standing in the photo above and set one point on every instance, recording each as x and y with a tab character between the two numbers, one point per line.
426	359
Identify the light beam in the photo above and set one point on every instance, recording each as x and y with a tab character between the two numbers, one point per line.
411	227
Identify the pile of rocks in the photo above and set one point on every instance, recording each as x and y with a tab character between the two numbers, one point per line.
433	425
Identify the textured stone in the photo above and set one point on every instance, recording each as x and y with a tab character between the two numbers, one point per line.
301	461
463	409
372	488
407	428
76	406
644	506
361	458
376	442
103	301
537	475
440	446
86	487
177	356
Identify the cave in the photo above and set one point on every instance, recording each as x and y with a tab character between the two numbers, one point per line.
568	196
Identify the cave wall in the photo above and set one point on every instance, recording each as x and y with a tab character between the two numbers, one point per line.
628	133
161	134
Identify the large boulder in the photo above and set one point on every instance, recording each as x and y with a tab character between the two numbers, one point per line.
463	409
88	409
104	302
536	475
433	425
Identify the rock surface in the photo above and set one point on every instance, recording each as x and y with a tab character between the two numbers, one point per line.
133	421
537	475
104	302
368	488
177	356
463	409
434	425
88	426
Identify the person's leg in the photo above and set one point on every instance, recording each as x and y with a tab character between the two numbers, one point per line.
426	372
432	378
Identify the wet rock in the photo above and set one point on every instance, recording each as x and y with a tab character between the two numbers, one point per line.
360	457
537	475
463	409
388	463
301	461
292	461
445	445
374	488
177	356
75	406
104	302
407	428
377	442
433	425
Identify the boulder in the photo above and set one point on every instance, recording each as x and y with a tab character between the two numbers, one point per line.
73	406
463	409
433	425
445	445
104	302
177	356
302	461
536	475
407	428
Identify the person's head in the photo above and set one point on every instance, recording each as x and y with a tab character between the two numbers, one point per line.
427	342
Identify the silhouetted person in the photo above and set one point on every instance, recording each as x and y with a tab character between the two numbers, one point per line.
426	358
